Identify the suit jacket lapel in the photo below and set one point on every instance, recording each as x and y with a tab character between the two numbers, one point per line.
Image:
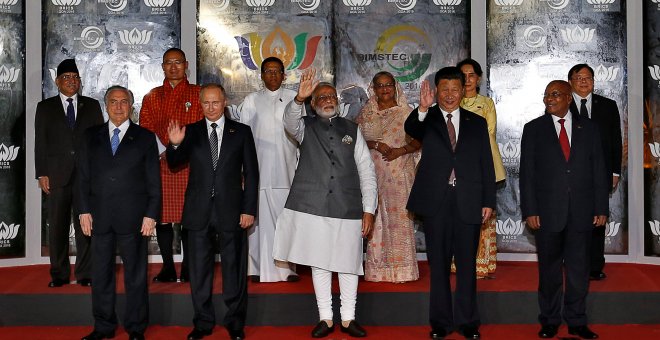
442	125
576	136
464	128
129	137
573	107
205	143
103	139
227	138
551	132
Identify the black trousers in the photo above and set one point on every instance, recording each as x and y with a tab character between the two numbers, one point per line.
598	249
59	221
564	253
133	253
233	254
446	237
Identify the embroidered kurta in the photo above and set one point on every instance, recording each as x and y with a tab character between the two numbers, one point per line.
159	106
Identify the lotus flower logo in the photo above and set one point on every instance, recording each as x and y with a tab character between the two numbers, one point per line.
9	75
116	5
8	232
655	227
234	111
655	72
558	4
509	2
354	3
510	151
66	2
8	154
296	53
612	228
600	2
158	3
135	37
655	150
152	73
509	227
534	36
344	109
91	37
602	73
259	3
406	37
577	35
308	5
447	2
8	2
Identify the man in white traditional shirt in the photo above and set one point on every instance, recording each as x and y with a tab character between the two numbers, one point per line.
277	155
331	204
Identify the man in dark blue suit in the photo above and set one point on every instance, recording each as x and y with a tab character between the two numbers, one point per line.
605	113
563	195
220	203
119	201
453	193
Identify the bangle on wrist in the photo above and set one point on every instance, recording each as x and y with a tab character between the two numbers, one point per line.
299	102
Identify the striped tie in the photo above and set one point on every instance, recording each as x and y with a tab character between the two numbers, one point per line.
213	139
114	141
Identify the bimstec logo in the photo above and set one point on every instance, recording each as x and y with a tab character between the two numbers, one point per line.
510	152
655	73
8	233
557	4
159	6
65	6
600	2
405	6
135	37
400	46
534	36
447	2
602	73
8	76
7	154
655	228
114	6
612	228
260	6
655	150
356	6
308	5
6	5
91	37
509	229
296	53
577	35
509	2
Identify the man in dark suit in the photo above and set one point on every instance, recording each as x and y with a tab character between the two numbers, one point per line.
563	196
220	203
605	113
453	193
119	197
59	125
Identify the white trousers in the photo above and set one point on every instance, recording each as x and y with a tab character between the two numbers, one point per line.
348	283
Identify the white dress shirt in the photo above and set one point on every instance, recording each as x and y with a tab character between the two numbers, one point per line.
568	124
578	102
218	130
65	103
455	118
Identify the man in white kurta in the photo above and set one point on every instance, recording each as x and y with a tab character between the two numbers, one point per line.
332	202
277	155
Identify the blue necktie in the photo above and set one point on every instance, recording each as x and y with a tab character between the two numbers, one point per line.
70	113
114	141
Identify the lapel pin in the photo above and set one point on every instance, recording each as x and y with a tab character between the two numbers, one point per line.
347	140
231	130
188	105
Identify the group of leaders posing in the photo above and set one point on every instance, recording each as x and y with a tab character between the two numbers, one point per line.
279	186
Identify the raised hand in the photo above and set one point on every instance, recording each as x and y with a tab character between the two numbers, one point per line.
426	96
308	83
175	132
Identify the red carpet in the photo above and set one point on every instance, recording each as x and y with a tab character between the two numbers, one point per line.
510	276
490	332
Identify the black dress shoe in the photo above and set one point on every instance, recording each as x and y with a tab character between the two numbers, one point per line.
597	276
255	278
184	277
98	336
236	334
321	330
199	334
292	278
439	333
354	330
136	336
548	331
57	283
583	332
165	277
85	282
470	332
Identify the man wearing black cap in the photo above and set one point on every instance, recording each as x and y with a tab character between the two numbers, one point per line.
59	125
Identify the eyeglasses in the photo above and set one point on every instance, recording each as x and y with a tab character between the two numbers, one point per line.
326	97
272	72
70	77
381	86
554	94
174	62
582	79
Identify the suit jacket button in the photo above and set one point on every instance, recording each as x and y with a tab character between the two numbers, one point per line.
72	152
112	179
568	171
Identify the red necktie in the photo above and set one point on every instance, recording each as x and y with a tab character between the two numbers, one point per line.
452	139
563	140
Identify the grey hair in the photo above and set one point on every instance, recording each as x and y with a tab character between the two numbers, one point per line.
121	88
320	85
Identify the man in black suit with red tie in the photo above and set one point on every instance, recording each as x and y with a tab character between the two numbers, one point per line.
563	197
453	193
58	128
605	113
119	201
220	203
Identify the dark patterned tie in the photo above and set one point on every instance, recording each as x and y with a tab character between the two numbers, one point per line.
452	139
213	139
70	113
583	109
563	140
114	141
